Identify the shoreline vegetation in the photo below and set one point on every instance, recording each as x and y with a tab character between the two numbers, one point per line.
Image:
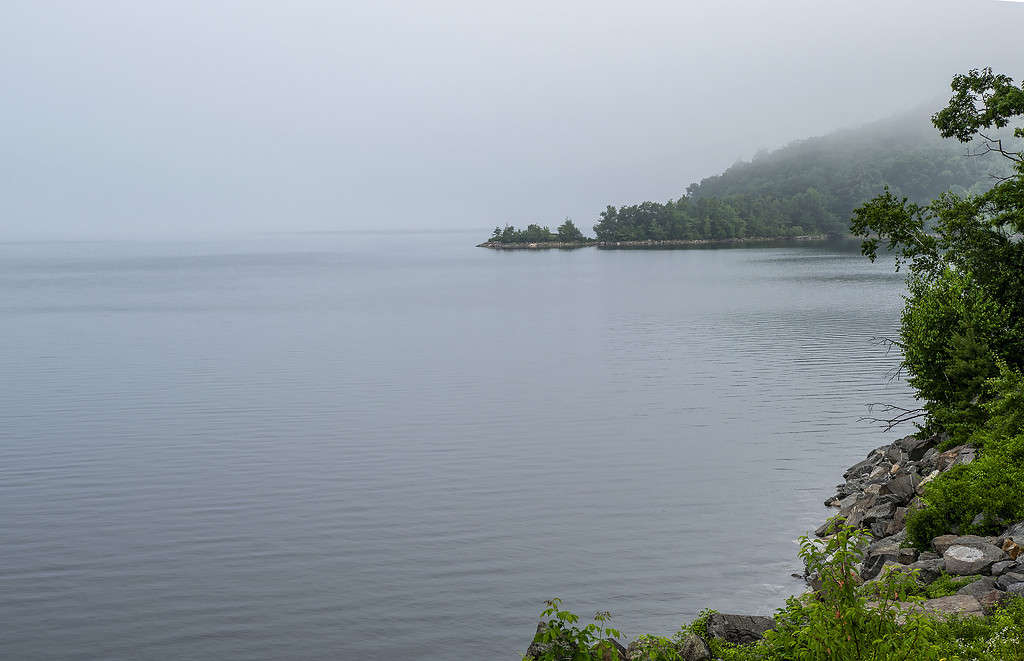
654	243
924	559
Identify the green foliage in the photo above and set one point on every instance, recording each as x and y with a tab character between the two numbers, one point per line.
657	648
981	100
947	332
1005	409
999	637
924	525
808	187
988	490
902	584
567	232
965	310
567	642
946	585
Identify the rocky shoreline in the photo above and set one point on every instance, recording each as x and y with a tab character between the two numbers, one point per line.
649	243
545	245
876	496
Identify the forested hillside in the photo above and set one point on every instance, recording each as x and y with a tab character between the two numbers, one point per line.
809	187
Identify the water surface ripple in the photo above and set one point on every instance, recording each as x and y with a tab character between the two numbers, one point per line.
395	447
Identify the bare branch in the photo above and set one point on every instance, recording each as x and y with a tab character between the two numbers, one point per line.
900	415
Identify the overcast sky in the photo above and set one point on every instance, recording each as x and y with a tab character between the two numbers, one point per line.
194	117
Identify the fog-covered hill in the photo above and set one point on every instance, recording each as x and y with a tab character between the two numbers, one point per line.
810	186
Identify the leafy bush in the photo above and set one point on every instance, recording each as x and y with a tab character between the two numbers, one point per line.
999	637
904	584
657	648
564	641
838	624
985	495
947	329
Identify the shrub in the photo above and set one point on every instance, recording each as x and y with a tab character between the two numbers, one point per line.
948	328
564	641
983	496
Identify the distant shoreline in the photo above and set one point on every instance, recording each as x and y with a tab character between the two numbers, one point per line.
650	243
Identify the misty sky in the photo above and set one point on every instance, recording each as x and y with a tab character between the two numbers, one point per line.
157	118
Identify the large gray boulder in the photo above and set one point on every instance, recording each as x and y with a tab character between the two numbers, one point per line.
943	542
928	571
927	462
878	512
695	649
916	446
738	628
907	556
904	487
1015	532
880	552
1000	568
963	560
1009	579
862	468
979	588
960	604
992	600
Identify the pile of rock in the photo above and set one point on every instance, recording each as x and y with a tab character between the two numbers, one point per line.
997	562
877	495
880	490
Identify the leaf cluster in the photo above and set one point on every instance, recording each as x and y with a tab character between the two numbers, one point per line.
563	640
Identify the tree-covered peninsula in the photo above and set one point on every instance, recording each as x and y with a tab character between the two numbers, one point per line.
807	188
810	187
567	235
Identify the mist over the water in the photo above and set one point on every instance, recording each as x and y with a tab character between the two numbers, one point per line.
182	118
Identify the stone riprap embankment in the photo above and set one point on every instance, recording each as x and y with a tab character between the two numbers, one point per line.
882	489
540	245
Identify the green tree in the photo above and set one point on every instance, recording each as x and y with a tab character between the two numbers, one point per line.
569	233
965	309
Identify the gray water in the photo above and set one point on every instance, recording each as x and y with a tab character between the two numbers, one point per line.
345	446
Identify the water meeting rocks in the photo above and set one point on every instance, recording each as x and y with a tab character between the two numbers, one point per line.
882	488
878	494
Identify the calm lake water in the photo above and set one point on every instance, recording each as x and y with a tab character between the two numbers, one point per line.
346	446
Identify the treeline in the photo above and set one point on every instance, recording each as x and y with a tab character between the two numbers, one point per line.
567	232
808	187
